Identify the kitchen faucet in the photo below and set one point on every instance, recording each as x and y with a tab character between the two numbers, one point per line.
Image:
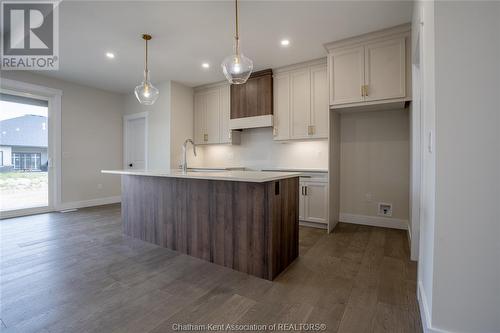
184	149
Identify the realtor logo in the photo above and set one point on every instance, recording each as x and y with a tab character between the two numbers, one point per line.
30	36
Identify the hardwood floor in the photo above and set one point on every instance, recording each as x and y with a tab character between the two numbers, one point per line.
76	272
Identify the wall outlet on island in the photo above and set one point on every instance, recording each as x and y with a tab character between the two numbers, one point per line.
384	209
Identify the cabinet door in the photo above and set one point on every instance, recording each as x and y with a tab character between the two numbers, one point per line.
316	202
385	69
212	115
300	103
346	75
281	129
199	118
319	102
225	110
302	202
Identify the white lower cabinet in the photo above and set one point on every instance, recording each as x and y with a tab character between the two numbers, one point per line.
313	202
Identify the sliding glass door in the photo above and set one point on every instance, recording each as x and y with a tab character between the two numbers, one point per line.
24	152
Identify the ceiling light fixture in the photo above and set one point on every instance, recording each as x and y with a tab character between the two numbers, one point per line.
110	55
285	42
236	67
205	65
146	93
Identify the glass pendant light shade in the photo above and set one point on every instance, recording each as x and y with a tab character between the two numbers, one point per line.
146	93
236	67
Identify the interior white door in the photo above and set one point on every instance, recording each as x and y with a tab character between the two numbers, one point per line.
346	75
385	69
319	102
300	103
135	154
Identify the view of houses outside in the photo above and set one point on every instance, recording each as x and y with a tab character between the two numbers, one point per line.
23	153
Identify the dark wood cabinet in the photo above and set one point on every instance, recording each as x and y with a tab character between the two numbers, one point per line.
255	97
249	227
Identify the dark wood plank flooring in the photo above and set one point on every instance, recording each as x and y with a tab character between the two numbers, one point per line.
76	272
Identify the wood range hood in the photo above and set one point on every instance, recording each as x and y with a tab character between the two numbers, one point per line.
252	102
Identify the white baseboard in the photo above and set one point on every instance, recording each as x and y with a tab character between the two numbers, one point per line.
375	221
313	225
89	203
424	312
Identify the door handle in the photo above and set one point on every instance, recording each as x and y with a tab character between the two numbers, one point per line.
305	190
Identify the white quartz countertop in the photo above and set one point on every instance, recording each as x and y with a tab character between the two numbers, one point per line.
238	176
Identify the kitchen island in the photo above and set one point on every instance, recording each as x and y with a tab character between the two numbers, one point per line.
244	220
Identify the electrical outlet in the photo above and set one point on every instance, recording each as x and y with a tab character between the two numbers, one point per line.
384	209
368	197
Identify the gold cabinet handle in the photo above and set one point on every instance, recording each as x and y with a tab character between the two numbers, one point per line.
362	90
366	89
205	137
310	129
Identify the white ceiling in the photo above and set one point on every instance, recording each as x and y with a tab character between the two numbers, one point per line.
187	33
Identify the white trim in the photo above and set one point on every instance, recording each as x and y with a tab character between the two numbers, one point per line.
375	221
53	96
90	203
318	225
251	122
35	89
424	312
399	30
300	65
23	212
126	118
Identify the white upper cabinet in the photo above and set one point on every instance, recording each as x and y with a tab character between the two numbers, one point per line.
370	69
211	116
301	102
281	96
385	70
347	74
319	102
199	118
225	114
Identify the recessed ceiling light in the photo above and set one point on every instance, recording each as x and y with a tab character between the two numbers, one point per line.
285	42
205	65
110	55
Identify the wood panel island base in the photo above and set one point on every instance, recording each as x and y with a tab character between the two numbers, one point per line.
244	220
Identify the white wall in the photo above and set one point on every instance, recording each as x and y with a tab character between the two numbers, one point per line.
459	266
258	150
423	21
467	229
374	162
158	125
91	137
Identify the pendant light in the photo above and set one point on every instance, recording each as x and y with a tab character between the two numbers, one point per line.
146	93
236	67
